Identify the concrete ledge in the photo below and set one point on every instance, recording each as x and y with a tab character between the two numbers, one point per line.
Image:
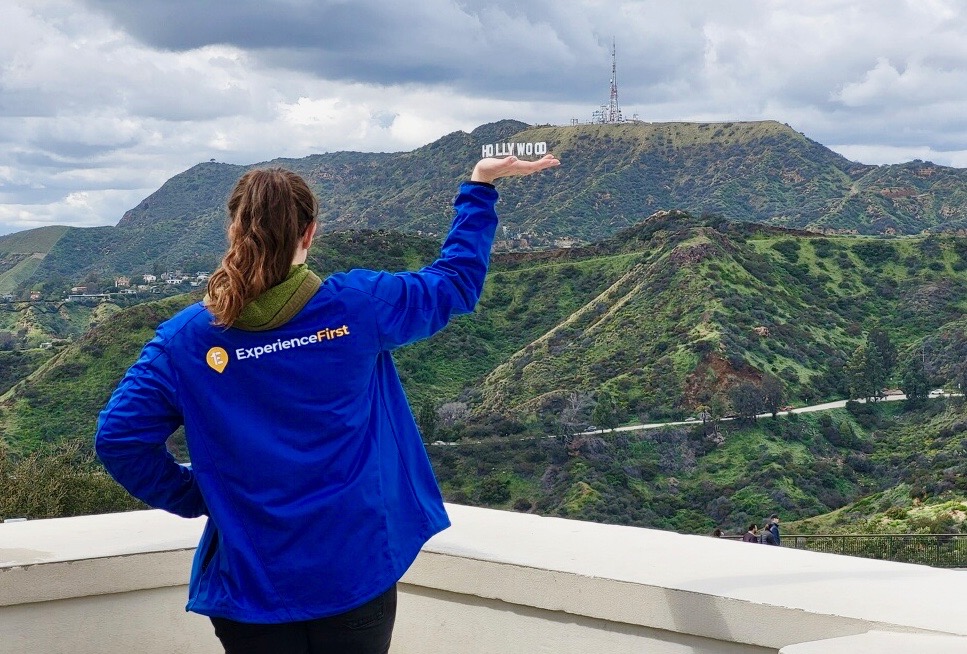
46	560
722	590
495	582
876	642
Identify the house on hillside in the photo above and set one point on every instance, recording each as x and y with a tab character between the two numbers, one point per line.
122	282
149	279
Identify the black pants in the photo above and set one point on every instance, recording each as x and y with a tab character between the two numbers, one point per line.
367	629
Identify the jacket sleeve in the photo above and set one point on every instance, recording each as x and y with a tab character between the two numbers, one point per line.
131	434
413	305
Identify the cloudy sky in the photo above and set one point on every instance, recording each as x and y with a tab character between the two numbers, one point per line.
101	101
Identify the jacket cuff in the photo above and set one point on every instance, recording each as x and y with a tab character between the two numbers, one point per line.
487	184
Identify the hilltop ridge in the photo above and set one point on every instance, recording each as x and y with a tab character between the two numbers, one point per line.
612	177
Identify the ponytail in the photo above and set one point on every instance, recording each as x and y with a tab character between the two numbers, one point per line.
269	211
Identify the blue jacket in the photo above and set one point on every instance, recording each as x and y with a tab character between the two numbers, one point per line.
304	452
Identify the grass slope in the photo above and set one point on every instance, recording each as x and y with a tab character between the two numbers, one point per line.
813	469
667	314
613	177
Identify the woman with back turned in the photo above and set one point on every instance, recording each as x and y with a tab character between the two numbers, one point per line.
304	453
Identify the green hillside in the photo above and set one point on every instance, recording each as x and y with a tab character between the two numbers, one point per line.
612	177
17	274
31	241
670	315
665	319
880	471
21	254
62	398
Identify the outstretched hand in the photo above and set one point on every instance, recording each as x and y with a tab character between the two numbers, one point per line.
487	170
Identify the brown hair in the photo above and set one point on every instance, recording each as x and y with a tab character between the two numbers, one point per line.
269	211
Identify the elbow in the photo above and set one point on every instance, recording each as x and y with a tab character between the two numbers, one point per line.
100	446
106	454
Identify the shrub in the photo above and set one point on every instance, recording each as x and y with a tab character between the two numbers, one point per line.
59	481
494	489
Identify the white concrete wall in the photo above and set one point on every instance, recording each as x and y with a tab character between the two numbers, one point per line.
495	582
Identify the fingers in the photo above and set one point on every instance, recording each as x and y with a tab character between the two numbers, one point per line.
493	168
545	162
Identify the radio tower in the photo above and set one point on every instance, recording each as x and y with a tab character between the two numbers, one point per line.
610	113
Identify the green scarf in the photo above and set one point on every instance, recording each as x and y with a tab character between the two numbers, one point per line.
281	303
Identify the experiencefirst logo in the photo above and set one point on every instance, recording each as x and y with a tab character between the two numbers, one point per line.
217	358
515	149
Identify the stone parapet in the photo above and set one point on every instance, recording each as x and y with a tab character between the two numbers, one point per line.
494	582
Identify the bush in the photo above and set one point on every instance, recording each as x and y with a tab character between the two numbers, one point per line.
523	505
494	489
58	482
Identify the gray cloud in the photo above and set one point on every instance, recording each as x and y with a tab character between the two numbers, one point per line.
539	50
101	100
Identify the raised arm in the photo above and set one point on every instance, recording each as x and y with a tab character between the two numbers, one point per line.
414	305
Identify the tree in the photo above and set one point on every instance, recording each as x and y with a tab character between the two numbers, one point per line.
453	413
573	414
914	381
702	413
8	340
428	421
605	411
59	481
883	346
711	414
864	373
773	394
746	400
494	489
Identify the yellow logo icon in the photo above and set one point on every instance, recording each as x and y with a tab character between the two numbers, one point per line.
217	359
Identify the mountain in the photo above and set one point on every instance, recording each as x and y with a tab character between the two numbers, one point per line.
22	252
612	177
664	317
671	314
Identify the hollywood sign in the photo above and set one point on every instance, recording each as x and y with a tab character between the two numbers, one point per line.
515	149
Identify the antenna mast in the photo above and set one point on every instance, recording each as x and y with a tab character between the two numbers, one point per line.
610	113
614	113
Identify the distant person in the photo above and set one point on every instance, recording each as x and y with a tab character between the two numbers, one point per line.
717	533
770	533
751	535
304	452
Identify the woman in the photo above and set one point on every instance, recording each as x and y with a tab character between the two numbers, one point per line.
305	455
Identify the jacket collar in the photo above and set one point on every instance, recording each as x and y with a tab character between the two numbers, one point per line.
281	303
